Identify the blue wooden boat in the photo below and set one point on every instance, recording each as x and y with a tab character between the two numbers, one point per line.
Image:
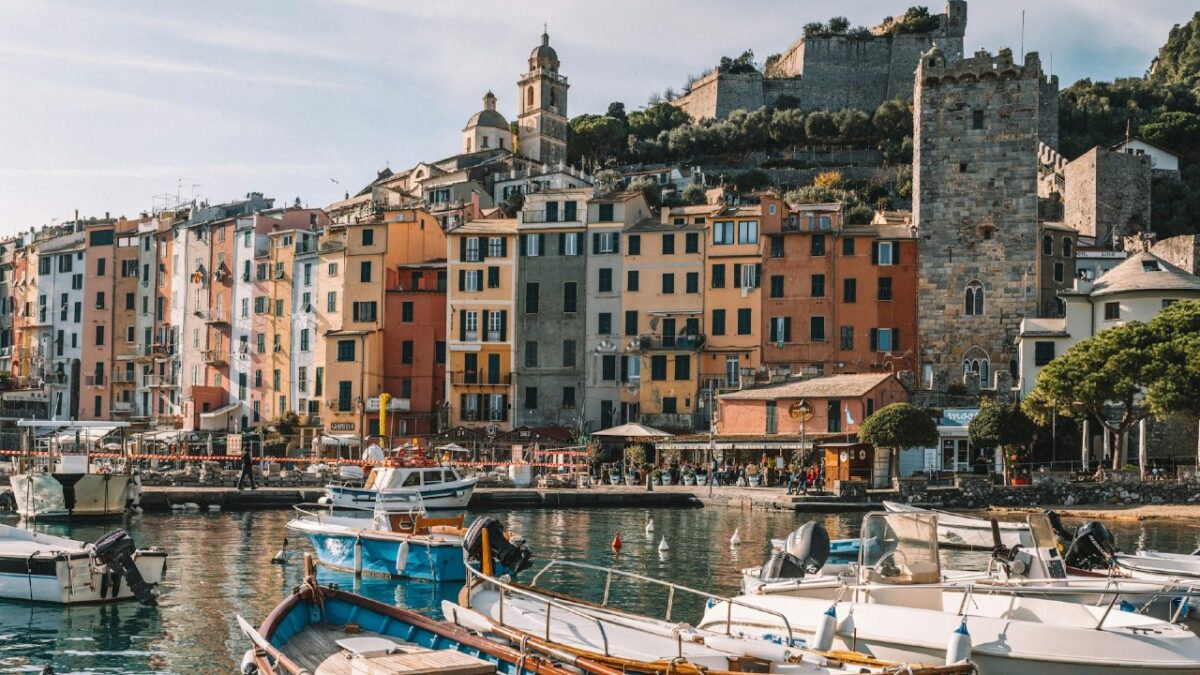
323	629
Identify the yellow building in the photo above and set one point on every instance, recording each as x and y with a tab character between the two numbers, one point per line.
479	330
732	301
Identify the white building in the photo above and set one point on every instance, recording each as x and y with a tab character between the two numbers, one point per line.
306	268
1136	290
1161	159
59	316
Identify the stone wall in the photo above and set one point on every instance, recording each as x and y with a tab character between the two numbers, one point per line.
1107	192
975	202
1182	251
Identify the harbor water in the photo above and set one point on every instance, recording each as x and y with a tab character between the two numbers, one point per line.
219	567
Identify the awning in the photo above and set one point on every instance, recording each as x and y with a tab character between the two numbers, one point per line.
161	436
632	430
217	420
348	440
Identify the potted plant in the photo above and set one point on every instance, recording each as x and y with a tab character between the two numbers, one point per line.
614	476
753	477
689	475
657	475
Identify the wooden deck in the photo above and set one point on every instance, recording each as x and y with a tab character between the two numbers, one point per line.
316	649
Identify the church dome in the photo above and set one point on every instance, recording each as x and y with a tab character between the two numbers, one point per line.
544	56
488	117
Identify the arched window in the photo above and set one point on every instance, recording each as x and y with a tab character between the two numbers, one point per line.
529	96
973	299
553	98
977	365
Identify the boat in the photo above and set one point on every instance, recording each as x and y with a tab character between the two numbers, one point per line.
633	643
39	567
1158	564
439	487
61	481
322	629
968	532
408	545
900	607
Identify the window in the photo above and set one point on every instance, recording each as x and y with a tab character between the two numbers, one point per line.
973	299
670	405
260	344
470	251
848	246
691	242
531	354
631	280
1067	247
847	338
497	247
406	352
635	244
885	253
344	390
692	282
1112	311
780	330
303	339
978	367
816	329
604	242
368	236
1043	353
471	280
568	354
849	290
100	300
495	325
99	338
531	398
744	318
604	323
818	285
331	301
658	367
668	283
406	311
470	326
569	297
977	119
776	246
746	275
885	339
817	249
532	244
668	244
683	367
606	213
718	276
345	349
1047	245
363	311
885	288
532	297
332	270
605	280
718	322
772	415
568	398
631	322
570	243
365	272
279	307
748	232
777	286
307	274
722	233
1059	272
569	209
275	379
608	368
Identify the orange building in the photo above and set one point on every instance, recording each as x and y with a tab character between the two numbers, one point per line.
836	298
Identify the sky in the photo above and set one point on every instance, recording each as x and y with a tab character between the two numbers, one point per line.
107	106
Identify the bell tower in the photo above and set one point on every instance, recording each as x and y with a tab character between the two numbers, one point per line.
542	96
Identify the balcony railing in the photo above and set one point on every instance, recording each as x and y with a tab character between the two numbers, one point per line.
492	415
160	381
481	378
683	343
214	357
122	407
122	377
212	317
93	380
541	216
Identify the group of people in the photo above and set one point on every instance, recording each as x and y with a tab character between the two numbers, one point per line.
770	472
801	479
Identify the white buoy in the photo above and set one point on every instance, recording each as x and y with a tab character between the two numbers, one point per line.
177	507
214	507
958	649
826	629
248	666
662	545
650	526
283	556
191	506
736	539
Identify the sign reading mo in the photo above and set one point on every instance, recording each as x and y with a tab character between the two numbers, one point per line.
800	410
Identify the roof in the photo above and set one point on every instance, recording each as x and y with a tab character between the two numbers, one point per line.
1145	142
834	386
650	224
494	226
488	118
1145	271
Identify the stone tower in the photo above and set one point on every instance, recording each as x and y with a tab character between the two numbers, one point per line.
977	126
542	123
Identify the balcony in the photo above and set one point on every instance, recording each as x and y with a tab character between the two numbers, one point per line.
540	216
122	377
331	246
668	421
493	415
213	318
214	357
122	407
481	378
93	380
678	343
160	381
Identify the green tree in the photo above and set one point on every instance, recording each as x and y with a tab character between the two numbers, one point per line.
820	128
1004	426
749	181
838	24
854	126
1178	61
616	110
512	204
1176	385
648	123
650	189
898	426
1108	372
694	194
595	139
741	64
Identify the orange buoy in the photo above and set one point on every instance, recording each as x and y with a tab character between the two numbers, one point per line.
616	543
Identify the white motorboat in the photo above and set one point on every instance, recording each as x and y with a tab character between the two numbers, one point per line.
902	609
61	480
968	532
439	487
635	643
44	568
1156	564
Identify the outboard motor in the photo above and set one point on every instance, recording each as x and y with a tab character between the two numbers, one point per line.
514	556
115	550
1093	546
805	552
7	501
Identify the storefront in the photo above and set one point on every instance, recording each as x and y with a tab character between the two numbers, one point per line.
953	453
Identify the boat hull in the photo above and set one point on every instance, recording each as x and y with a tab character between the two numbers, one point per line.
71	495
453	495
72	579
391	555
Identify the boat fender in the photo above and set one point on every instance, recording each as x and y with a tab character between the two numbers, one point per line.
650	526
115	550
736	539
826	629
958	649
248	667
663	546
402	558
1127	606
282	557
616	543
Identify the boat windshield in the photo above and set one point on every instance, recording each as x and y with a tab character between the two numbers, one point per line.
412	480
900	548
433	476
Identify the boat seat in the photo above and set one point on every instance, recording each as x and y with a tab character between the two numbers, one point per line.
916	572
368	646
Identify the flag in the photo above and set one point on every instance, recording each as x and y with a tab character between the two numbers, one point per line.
849	417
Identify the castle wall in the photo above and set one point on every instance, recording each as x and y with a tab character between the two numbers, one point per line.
905	53
841	72
1107	192
719	94
1182	251
975	202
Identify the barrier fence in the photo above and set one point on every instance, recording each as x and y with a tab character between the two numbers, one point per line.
297	460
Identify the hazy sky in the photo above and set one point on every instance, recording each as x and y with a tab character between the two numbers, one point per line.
104	105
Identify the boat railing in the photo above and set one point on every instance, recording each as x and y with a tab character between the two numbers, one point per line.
672	589
549	603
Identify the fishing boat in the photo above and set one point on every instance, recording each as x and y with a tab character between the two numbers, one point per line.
321	629
407	544
899	606
633	643
439	487
40	567
968	532
60	480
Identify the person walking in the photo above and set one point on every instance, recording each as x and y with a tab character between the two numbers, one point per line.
247	469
